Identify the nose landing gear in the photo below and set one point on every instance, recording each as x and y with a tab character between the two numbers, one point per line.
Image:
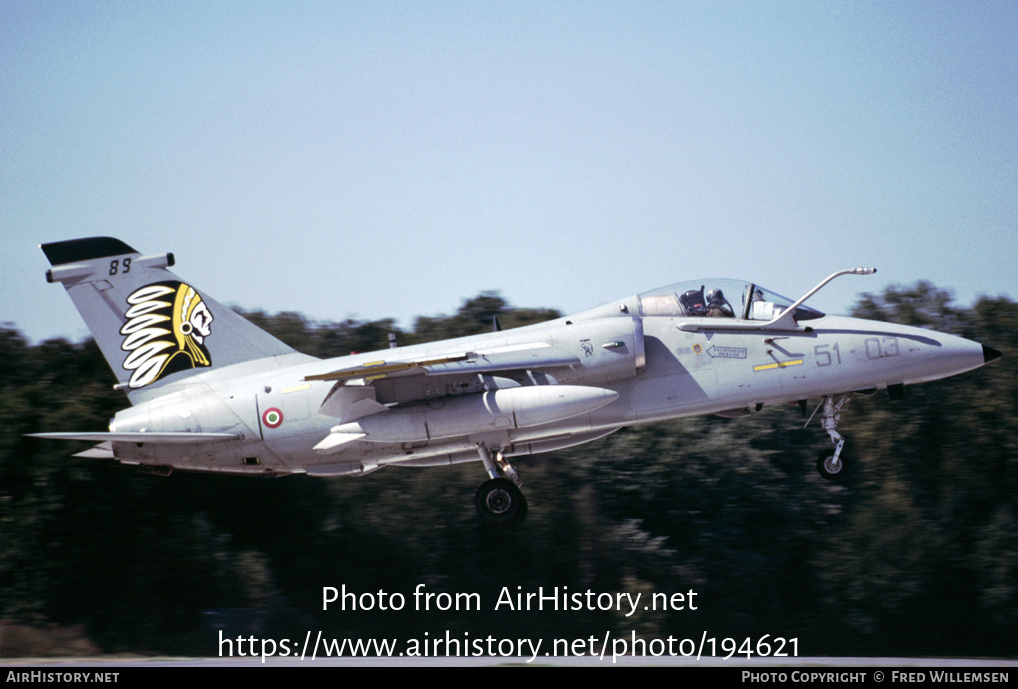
831	464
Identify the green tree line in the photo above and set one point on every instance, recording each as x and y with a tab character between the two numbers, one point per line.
916	552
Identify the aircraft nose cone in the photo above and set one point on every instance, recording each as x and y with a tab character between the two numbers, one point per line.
989	354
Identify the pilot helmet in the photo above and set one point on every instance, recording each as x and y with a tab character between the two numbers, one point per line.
693	303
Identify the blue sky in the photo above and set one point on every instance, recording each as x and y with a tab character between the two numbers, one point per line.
377	159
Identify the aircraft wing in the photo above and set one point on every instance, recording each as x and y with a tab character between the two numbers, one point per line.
529	356
354	395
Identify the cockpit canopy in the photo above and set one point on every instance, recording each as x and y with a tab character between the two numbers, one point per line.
720	298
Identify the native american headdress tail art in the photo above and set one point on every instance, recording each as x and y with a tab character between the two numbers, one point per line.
167	323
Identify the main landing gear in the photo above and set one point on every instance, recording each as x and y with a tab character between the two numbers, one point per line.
499	500
831	463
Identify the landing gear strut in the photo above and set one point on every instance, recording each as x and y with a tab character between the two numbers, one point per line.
831	464
499	500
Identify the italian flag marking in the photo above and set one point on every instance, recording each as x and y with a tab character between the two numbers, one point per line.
272	418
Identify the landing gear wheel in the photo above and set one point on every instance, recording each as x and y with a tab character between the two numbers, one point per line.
827	469
500	503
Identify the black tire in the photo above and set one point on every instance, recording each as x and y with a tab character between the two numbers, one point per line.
825	469
500	503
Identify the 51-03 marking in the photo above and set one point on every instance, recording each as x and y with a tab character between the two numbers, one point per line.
876	348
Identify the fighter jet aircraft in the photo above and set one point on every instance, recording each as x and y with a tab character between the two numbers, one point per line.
212	392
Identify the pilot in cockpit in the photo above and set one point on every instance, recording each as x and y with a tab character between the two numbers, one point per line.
693	303
718	306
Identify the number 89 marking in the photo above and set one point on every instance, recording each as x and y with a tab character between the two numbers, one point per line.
115	267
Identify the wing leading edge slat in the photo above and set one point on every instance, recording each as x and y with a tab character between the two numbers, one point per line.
534	356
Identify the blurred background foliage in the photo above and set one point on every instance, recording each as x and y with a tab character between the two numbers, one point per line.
916	553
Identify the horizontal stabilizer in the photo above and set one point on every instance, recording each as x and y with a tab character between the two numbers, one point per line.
141	437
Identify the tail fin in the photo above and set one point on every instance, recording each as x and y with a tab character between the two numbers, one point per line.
151	327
